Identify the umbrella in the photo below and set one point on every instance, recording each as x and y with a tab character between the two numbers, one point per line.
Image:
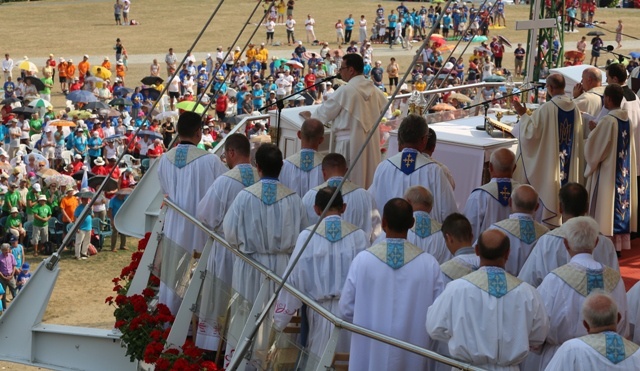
35	82
151	133
37	157
279	62
443	107
96	105
113	113
81	96
6	166
151	93
120	102
436	36
595	33
25	110
495	78
443	76
93	79
635	55
446	48
95	181
60	180
122	89
40	103
294	64
295	97
188	106
574	54
483	49
103	73
114	137
80	114
9	101
78	176
124	191
28	66
62	123
505	40
47	173
339	52
152	80
85	194
460	97
166	114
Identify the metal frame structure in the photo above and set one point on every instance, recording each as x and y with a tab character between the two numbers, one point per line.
543	29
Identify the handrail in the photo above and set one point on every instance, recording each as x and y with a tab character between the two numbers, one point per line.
237	128
453	88
338	322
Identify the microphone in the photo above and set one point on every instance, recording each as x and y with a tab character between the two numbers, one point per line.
330	78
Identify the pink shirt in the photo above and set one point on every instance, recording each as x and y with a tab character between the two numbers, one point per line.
7	264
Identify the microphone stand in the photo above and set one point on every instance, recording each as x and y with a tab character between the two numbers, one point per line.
610	49
280	104
486	104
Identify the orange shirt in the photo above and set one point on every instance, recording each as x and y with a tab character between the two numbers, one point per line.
107	65
62	69
120	70
71	70
83	68
69	204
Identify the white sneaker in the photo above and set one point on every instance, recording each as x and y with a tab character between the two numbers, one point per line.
84	258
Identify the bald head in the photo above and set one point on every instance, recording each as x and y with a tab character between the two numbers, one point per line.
312	129
555	84
420	198
493	245
502	163
600	312
524	199
591	78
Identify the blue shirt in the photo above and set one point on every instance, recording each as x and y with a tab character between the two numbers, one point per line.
114	204
9	87
392	20
348	23
85	225
95	142
80	144
137	104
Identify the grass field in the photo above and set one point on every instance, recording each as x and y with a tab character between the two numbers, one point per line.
74	27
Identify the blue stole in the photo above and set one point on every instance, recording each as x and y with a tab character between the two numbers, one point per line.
566	121
611	345
621	215
243	173
504	191
408	161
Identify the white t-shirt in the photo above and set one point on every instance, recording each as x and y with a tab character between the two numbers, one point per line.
363	23
174	85
271	26
109	131
290	24
126	6
25	130
309	24
110	151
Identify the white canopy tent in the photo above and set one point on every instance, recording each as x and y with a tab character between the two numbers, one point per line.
573	75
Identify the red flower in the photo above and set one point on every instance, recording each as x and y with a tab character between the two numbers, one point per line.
153	351
180	364
154	281
109	300
162	364
121	299
173	351
208	366
156	335
115	280
119	324
117	288
148	293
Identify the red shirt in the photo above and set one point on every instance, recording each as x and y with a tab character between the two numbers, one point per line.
77	166
99	170
222	103
155	151
116	172
592	8
584	7
309	80
498	50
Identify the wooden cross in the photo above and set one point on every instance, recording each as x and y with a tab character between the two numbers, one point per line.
408	161
534	25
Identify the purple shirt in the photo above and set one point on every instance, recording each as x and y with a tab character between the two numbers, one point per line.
7	264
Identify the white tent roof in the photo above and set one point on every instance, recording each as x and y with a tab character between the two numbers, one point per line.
573	75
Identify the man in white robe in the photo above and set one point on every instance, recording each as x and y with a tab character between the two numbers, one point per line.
550	252
602	348
489	203
211	211
458	237
489	318
610	155
549	148
361	207
321	271
354	109
410	167
588	95
633	306
185	174
302	171
521	229
263	222
564	290
388	289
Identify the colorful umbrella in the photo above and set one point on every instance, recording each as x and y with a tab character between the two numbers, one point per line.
446	48
505	40
443	107
80	114
460	97
60	180
62	122
295	64
40	103
103	73
81	96
47	173
28	66
189	106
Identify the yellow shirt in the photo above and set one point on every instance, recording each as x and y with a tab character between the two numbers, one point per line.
420	86
263	55
251	54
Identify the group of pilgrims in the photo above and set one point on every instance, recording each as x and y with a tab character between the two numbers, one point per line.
524	277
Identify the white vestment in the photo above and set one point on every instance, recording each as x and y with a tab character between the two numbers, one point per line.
610	156
320	273
302	171
590	102
411	168
540	137
563	292
523	233
216	288
361	208
465	261
633	306
379	281
597	352
185	174
354	109
551	253
489	204
489	319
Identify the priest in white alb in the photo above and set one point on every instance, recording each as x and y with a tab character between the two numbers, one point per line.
321	271
185	174
610	155
564	290
549	148
521	229
302	171
633	306
588	95
489	318
551	253
361	207
211	211
602	349
388	289
459	239
354	109
489	203
410	167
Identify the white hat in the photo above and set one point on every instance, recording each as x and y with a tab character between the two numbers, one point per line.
237	48
80	122
14	210
36	187
99	161
86	56
119	61
300	42
48	129
106	58
61	59
78	156
42	198
3	152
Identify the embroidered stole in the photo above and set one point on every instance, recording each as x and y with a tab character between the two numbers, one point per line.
184	154
611	345
269	191
395	252
457	268
347	187
424	225
622	211
566	122
585	280
243	173
525	229
306	160
500	190
333	228
493	280
409	160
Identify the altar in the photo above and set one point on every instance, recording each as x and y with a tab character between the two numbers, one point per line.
464	150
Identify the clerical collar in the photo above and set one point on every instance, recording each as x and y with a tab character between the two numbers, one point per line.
410	150
520	216
501	179
267	179
186	142
465	251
